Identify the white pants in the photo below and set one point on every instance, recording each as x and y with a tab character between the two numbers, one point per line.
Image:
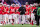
32	16
23	18
15	18
27	16
10	16
5	17
1	18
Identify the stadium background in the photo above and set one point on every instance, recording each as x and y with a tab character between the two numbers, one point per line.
20	2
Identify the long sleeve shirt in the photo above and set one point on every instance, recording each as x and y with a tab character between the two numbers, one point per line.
38	11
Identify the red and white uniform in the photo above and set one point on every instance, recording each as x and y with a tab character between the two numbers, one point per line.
17	15
1	11
12	12
17	12
27	12
5	13
32	15
6	10
27	5
33	9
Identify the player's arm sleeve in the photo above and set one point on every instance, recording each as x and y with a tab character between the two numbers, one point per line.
34	11
19	10
7	9
25	9
3	9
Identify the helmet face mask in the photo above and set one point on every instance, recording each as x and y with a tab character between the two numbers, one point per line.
26	3
8	6
31	5
13	5
1	5
5	5
17	5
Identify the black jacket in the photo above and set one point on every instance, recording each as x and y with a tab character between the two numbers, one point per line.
22	10
35	11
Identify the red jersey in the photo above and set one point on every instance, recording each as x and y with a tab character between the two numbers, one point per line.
1	9
27	10
33	9
17	12
12	10
6	10
27	5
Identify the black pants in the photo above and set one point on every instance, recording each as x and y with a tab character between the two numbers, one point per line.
36	17
38	20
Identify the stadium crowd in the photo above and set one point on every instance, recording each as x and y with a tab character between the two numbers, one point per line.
14	14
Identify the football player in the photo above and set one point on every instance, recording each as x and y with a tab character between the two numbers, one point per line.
1	13
12	13
5	13
17	13
28	14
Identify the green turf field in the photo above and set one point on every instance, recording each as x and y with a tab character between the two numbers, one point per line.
18	25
